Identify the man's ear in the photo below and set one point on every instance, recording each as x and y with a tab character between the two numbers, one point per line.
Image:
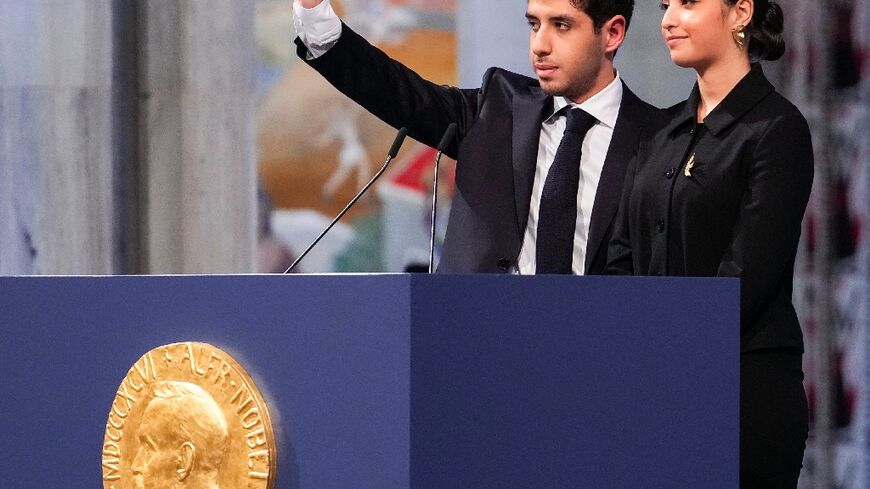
184	463
613	33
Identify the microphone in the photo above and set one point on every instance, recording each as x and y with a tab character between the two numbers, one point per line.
394	150
446	140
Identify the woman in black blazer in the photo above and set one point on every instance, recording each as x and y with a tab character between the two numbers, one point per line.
719	189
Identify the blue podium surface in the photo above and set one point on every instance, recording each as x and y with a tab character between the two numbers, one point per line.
398	381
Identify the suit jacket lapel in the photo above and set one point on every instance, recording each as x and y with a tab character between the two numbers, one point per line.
528	114
621	149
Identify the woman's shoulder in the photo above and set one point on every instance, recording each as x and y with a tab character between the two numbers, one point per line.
781	133
776	110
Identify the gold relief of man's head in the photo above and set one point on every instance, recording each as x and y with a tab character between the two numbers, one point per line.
182	439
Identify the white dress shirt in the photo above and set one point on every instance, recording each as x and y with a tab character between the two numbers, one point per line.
319	29
604	106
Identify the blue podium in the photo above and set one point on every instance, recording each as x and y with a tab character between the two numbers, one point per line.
398	381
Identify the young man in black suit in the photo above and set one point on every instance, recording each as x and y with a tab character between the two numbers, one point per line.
527	200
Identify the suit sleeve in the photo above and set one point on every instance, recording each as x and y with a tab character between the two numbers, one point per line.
780	178
393	92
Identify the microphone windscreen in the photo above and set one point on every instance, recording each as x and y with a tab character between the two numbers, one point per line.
400	138
449	134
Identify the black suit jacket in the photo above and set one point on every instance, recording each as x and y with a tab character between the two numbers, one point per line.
498	132
738	214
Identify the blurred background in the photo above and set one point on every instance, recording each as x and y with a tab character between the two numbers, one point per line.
184	136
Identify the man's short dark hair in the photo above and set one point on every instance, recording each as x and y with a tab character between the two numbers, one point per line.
603	10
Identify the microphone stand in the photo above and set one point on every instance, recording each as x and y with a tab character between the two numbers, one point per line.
449	134
394	150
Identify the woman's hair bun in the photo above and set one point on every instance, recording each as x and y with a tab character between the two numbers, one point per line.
765	32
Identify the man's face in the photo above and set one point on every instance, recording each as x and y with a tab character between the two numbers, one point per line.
567	54
154	465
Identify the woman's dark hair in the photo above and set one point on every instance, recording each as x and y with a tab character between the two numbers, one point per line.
764	32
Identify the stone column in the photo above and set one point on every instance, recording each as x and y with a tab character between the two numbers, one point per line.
57	178
197	136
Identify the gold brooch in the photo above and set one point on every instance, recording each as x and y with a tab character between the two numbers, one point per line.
688	170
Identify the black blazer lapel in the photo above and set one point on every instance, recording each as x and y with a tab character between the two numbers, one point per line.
528	114
622	147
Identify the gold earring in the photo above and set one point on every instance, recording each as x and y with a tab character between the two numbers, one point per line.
738	35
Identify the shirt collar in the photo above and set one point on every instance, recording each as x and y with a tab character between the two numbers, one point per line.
750	90
604	105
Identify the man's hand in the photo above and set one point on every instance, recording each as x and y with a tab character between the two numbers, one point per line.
310	3
316	25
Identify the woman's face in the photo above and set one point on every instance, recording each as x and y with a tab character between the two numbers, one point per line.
698	32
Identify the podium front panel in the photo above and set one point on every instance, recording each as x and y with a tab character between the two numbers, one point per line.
555	382
330	353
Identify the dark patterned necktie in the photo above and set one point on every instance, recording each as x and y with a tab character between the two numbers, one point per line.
557	216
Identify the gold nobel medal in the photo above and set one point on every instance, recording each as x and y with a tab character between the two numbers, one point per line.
188	416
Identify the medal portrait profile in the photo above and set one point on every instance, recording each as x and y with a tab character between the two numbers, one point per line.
188	416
